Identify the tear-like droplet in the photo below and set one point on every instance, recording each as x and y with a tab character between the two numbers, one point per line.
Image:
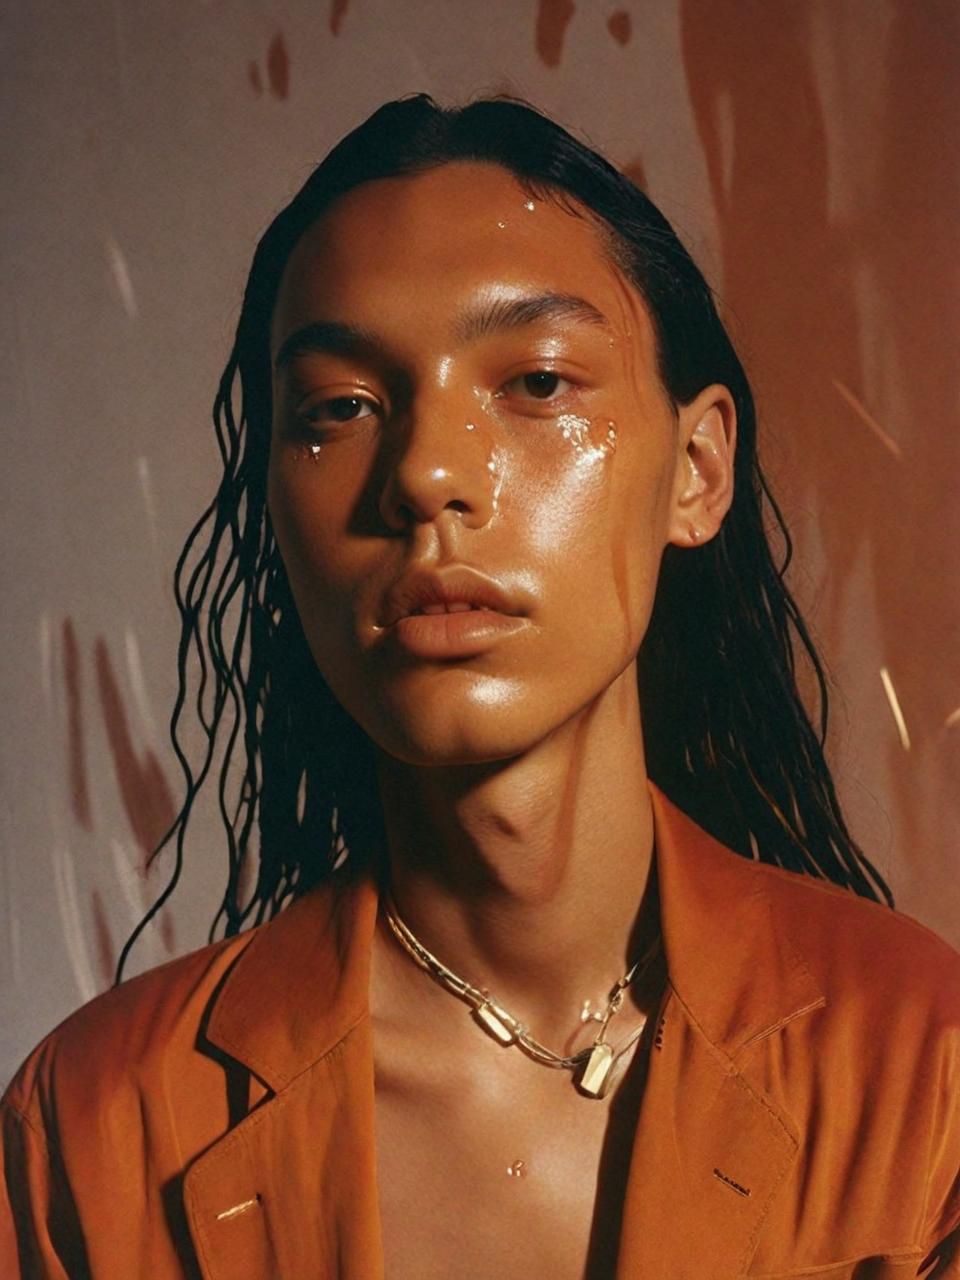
517	1170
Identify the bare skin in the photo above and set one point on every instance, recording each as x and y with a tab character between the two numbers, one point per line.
545	454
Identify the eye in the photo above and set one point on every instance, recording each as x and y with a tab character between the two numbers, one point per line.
540	384
339	409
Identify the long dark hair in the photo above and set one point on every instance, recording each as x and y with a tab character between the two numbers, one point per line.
726	733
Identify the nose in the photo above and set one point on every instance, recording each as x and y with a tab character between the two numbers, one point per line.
438	462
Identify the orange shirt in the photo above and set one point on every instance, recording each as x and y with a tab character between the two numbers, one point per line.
801	1113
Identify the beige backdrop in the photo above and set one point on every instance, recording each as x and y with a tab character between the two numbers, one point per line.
804	148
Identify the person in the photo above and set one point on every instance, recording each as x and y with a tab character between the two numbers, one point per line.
562	961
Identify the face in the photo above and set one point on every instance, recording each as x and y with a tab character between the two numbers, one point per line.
468	422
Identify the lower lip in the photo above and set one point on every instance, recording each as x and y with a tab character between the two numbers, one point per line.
453	635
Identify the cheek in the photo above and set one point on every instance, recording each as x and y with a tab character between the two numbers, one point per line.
610	515
598	504
306	513
308	507
559	489
639	535
308	517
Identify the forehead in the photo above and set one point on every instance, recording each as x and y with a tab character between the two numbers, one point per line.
411	248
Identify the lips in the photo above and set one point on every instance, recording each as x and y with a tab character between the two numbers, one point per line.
449	615
454	590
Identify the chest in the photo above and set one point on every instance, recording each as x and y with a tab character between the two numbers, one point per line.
509	1173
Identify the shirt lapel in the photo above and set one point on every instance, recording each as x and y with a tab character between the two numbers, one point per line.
711	1148
291	1191
708	1157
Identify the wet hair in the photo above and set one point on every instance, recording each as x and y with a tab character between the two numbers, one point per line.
727	735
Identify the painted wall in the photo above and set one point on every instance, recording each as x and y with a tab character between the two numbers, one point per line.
804	149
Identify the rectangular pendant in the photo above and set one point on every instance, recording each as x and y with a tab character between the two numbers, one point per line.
594	1078
489	1017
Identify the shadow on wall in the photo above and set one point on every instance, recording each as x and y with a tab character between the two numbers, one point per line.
867	450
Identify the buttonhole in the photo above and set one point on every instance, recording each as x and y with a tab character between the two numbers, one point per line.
237	1209
740	1190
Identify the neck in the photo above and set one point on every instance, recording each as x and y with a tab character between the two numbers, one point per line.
527	876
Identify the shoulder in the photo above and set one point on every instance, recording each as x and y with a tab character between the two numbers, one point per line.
876	1067
144	1046
125	1033
154	1037
863	952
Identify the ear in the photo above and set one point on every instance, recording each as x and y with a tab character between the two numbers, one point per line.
703	482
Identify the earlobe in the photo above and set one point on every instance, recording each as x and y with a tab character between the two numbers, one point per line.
706	444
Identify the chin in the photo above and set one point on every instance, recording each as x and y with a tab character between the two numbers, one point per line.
448	731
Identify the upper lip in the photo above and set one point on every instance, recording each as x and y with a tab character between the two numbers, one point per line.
457	584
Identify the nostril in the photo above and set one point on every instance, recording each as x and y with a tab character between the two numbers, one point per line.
412	496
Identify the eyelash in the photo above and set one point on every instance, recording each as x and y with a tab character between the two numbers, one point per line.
319	412
537	373
315	415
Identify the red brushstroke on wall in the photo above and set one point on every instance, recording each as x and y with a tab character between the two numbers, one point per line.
253	75
338	11
278	67
553	17
619	26
76	755
104	942
794	268
143	788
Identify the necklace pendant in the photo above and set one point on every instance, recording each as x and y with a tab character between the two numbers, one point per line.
494	1020
597	1071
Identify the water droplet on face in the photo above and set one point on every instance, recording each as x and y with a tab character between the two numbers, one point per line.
517	1170
575	430
590	440
496	475
529	205
315	450
471	426
501	225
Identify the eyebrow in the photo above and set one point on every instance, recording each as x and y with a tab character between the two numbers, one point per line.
479	320
327	336
498	314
